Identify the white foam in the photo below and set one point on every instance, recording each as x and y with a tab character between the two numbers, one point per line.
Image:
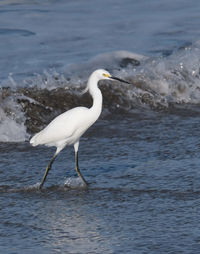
12	121
49	79
74	183
173	79
32	187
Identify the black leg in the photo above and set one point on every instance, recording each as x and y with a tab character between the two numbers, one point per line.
77	169
47	170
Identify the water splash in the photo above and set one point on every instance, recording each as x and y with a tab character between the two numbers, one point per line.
173	79
12	119
157	83
74	183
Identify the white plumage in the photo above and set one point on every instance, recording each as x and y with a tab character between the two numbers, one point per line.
67	128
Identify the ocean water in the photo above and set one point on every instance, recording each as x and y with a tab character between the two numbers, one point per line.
141	158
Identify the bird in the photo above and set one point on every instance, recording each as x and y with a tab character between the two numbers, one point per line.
68	127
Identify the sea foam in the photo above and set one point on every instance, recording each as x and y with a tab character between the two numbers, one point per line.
156	83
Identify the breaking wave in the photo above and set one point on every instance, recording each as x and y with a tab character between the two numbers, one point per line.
164	83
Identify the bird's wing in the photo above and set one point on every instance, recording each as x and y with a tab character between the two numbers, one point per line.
61	128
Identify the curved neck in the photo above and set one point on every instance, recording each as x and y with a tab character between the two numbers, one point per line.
96	96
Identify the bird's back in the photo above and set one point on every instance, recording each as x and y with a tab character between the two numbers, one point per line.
66	127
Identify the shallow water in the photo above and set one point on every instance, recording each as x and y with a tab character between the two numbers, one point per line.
143	195
141	158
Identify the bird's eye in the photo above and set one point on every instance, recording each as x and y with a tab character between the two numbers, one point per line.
106	75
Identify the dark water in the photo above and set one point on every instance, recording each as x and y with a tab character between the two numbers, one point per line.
143	195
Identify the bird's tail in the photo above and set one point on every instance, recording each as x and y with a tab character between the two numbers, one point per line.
33	140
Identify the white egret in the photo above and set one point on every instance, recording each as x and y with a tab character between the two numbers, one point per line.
67	128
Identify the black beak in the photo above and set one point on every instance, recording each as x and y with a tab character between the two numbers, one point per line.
121	80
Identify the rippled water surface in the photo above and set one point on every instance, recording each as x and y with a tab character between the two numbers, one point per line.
141	158
143	195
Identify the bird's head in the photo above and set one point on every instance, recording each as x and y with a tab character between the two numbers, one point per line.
101	74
